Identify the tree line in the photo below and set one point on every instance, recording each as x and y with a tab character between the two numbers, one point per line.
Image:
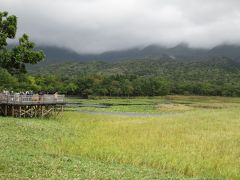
113	85
147	77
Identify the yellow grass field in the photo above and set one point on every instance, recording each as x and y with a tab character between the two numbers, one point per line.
200	143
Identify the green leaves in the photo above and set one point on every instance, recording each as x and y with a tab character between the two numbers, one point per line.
8	26
14	59
7	80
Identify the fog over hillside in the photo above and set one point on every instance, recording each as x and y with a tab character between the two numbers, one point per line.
97	26
61	55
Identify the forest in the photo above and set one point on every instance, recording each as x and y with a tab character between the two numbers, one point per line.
215	76
165	75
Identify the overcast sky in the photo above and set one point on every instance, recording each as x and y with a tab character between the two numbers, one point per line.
93	26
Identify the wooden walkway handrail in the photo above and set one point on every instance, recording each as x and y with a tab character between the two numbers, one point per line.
32	99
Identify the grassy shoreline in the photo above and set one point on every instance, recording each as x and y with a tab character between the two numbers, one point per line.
154	105
202	144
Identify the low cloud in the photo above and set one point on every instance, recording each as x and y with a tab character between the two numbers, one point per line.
93	26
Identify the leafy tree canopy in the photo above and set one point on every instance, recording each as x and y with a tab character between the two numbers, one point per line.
14	59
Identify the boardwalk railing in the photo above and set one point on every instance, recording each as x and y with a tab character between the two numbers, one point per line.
31	99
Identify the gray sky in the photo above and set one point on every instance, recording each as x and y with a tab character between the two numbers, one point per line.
93	26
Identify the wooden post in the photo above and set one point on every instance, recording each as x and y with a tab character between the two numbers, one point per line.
24	111
1	110
31	111
20	111
5	110
41	111
35	111
13	110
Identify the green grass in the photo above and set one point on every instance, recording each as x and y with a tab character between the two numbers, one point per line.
201	143
33	149
122	108
156	104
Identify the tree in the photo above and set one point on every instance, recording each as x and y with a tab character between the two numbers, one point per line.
14	59
85	86
127	87
7	81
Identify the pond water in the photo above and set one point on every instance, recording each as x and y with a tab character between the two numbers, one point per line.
116	113
87	105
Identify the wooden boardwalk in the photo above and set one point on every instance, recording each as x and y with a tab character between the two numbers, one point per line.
31	105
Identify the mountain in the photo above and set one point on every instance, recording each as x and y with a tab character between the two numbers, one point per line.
184	50
145	67
231	51
60	55
56	55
